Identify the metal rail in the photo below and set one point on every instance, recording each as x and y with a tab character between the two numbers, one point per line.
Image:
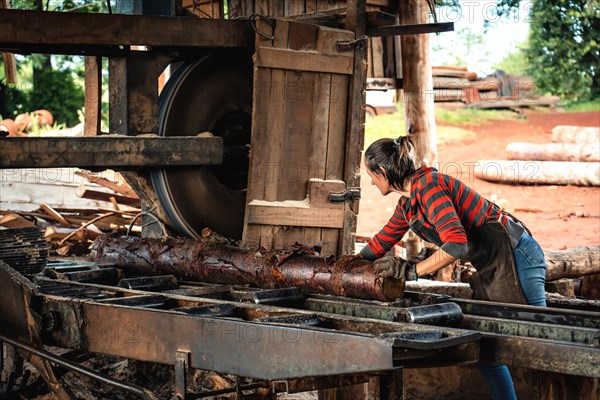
133	389
260	341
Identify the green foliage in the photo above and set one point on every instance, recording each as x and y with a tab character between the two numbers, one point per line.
582	105
516	63
57	91
462	52
471	116
564	49
392	125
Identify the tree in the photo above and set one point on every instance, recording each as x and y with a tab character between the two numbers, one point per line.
52	82
517	62
564	51
564	43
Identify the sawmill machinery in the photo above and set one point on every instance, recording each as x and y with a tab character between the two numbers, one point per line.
257	135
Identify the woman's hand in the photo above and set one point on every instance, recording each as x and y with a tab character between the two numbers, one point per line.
396	267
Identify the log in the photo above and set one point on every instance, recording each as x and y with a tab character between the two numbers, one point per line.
590	287
454	289
539	172
575	134
572	263
555	300
213	260
554	151
564	287
506	102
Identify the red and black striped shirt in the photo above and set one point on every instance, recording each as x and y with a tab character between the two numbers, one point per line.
440	210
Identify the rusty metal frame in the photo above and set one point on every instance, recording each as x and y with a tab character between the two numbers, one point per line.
133	389
546	339
253	348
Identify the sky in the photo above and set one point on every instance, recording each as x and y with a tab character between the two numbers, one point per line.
499	39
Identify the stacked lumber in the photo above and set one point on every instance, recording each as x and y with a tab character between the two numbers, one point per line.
449	82
70	231
25	189
571	159
499	90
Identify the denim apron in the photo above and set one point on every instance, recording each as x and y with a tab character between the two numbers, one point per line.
490	252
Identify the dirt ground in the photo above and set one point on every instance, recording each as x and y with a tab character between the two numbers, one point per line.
559	217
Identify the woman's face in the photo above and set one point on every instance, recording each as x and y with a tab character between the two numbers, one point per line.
380	181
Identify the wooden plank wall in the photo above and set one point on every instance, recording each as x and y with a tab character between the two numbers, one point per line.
298	136
204	8
384	55
285	8
384	52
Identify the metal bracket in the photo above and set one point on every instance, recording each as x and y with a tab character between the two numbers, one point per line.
349	45
351	193
280	386
182	360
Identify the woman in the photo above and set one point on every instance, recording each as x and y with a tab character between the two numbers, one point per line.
442	210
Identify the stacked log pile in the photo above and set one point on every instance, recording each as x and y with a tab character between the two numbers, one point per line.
570	273
70	231
500	90
27	123
571	159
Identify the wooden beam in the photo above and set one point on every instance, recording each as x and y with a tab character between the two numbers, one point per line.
291	213
355	125
103	34
410	29
303	61
93	96
124	152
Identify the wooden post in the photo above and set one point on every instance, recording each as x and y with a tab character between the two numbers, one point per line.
355	21
418	83
93	95
355	131
10	64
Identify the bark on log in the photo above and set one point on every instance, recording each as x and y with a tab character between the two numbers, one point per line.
214	261
575	134
454	289
554	151
572	263
564	287
539	172
590	287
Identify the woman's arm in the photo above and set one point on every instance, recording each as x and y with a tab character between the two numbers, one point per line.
433	263
391	234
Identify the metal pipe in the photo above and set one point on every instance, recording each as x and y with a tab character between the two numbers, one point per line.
134	389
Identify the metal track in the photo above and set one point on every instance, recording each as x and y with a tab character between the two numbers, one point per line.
283	338
220	333
24	249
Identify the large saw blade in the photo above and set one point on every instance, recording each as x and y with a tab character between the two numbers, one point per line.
213	95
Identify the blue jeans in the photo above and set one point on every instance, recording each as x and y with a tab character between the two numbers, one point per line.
531	269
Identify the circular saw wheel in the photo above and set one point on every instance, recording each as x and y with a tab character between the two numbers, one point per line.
213	95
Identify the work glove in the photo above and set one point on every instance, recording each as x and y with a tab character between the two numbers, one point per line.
397	268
